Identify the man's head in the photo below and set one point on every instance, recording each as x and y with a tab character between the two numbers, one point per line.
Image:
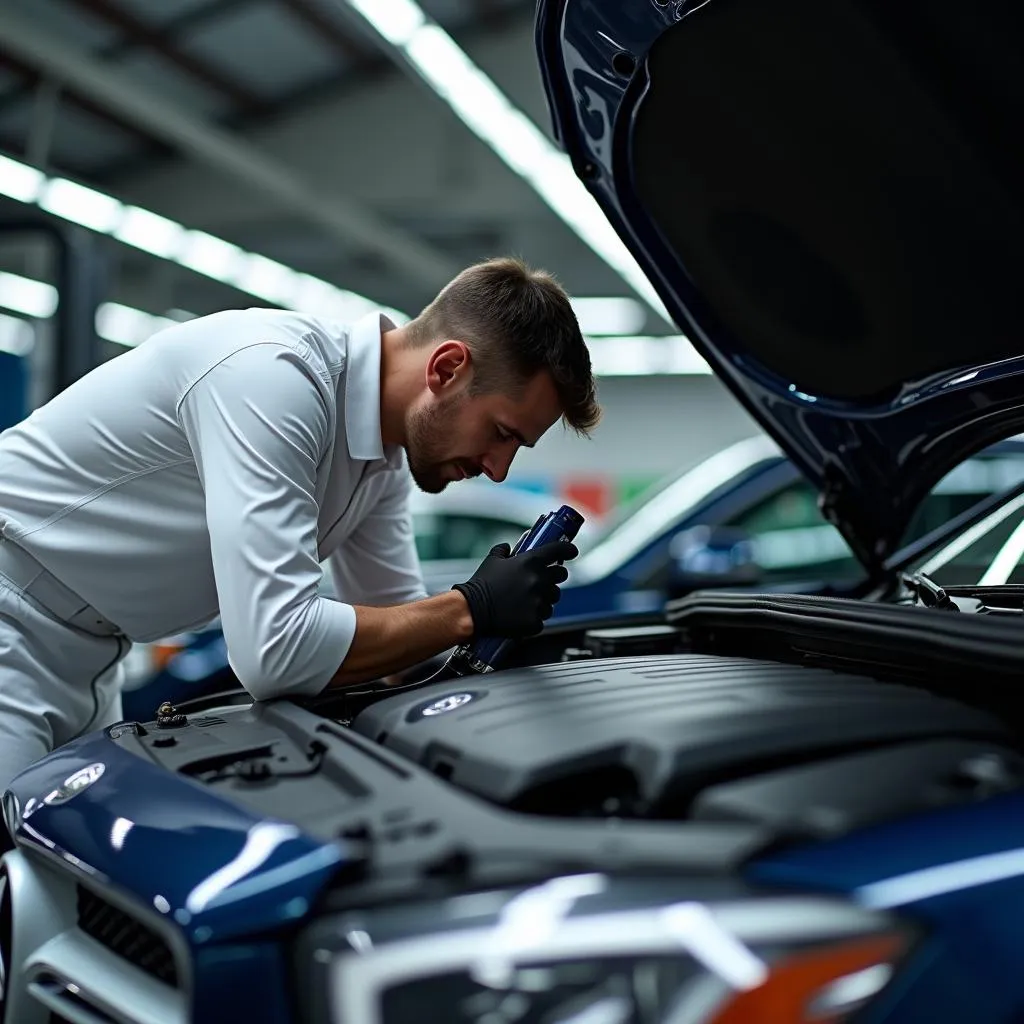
504	359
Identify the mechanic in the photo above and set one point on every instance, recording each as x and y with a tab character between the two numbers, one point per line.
210	471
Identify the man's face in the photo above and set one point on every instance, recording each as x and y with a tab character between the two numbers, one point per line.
458	436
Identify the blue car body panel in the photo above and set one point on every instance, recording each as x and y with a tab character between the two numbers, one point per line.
960	873
242	981
216	870
229	882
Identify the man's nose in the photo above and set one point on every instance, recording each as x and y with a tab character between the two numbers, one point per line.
496	464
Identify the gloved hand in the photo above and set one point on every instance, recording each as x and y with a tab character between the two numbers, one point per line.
511	597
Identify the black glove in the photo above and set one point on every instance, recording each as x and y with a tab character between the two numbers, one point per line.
512	596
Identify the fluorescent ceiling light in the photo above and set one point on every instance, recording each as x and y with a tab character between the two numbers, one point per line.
268	279
24	295
316	296
179	316
201	252
395	20
19	181
646	357
609	315
82	205
125	325
17	336
150	232
517	141
211	256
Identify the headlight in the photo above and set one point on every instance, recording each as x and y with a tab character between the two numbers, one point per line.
590	950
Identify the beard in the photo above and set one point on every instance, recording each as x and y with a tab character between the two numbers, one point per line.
428	437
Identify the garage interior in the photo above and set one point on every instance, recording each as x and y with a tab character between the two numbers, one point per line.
764	762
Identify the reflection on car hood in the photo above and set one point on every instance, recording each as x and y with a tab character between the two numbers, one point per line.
828	199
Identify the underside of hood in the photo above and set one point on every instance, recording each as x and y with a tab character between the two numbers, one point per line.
828	199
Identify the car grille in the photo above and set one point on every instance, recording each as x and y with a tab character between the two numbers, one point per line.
124	935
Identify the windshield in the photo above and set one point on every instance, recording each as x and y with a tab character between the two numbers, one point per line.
990	553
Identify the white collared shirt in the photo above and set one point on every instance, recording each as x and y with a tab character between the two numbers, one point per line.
210	471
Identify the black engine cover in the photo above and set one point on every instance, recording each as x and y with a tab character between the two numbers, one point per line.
645	736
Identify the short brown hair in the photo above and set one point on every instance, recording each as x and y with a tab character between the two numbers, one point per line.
517	322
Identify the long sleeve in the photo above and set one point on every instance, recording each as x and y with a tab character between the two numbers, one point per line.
378	564
258	426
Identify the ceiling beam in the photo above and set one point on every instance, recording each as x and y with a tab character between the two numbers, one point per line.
208	144
174	28
32	79
491	15
166	34
140	34
329	32
484	7
373	64
331	85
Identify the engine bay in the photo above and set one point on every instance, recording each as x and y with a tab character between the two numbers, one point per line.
660	737
634	751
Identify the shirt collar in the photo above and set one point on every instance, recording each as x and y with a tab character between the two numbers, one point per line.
362	391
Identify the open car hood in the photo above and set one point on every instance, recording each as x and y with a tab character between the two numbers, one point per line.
828	199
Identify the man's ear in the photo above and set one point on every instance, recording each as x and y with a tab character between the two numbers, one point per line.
448	367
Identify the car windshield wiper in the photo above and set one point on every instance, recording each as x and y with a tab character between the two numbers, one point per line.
1004	598
928	592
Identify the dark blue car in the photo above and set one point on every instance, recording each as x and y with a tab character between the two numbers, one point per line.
747	806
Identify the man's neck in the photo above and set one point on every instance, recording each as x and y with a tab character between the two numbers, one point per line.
397	385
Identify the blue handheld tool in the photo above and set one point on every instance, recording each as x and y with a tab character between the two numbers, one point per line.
484	653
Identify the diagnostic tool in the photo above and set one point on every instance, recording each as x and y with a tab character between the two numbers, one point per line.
484	654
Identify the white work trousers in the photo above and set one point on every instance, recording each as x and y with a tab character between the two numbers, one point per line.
56	681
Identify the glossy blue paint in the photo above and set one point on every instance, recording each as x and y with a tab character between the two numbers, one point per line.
861	862
204	862
873	462
959	874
